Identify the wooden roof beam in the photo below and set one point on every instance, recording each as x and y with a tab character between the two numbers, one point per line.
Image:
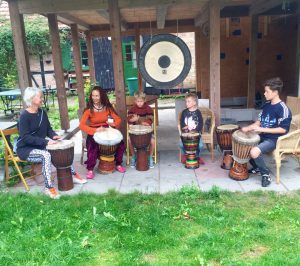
202	16
161	14
185	26
104	14
59	6
69	19
261	6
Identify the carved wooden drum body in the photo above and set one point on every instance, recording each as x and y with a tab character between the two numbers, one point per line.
62	156
224	138
140	137
108	141
191	143
242	143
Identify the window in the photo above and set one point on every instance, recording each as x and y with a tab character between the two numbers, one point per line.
84	54
128	52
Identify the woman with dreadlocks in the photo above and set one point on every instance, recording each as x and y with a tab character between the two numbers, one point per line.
95	119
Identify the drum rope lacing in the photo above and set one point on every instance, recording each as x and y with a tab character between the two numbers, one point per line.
65	167
239	160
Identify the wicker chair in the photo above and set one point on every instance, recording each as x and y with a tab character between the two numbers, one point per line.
295	124
287	145
294	104
208	130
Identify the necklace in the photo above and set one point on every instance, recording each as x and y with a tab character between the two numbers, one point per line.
99	108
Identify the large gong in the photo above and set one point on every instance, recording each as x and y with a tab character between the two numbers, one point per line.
164	61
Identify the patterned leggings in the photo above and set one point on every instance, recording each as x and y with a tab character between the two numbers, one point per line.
44	157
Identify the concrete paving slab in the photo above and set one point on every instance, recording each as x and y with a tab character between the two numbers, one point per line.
101	186
75	190
143	181
169	174
168	185
224	183
253	183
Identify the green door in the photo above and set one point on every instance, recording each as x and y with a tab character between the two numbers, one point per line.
129	60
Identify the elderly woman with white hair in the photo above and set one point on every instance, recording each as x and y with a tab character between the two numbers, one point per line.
34	127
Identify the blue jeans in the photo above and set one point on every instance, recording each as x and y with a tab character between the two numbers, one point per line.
199	150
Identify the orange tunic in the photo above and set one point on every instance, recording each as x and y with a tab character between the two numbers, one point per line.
96	119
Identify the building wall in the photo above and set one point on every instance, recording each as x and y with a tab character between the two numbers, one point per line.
189	39
4	9
48	66
279	41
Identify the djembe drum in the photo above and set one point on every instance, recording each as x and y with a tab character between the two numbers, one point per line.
108	141
140	137
190	143
224	138
242	143
62	156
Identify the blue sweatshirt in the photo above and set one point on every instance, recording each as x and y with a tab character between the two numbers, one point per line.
32	136
273	116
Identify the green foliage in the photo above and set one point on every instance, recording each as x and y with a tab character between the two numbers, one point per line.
9	81
53	113
13	181
37	36
38	42
172	96
7	55
87	89
179	228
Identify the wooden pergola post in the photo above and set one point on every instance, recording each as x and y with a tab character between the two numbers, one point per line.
137	50
298	53
21	52
115	29
59	72
252	62
214	58
78	67
197	60
89	46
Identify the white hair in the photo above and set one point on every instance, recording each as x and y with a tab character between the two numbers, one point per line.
29	94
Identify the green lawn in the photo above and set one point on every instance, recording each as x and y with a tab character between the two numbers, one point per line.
183	228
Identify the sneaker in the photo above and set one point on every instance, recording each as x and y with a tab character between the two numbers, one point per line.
52	193
121	169
77	179
90	174
151	163
265	180
132	162
200	160
254	171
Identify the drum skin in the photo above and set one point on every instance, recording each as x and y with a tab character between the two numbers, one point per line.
62	159
108	141
141	142
190	143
